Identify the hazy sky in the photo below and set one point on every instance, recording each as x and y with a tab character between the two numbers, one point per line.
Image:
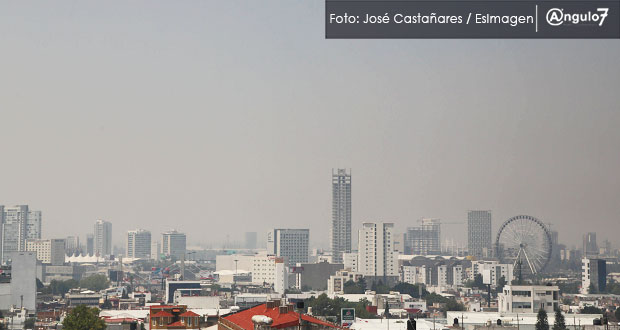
220	117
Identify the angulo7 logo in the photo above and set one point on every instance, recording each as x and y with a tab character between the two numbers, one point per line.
557	17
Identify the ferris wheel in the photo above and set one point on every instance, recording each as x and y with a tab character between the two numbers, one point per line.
525	242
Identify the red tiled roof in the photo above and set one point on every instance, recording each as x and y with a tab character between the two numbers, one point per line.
177	324
244	318
189	314
162	314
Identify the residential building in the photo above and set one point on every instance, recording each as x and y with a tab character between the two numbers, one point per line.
340	233
264	268
18	224
350	261
48	251
593	275
102	238
335	284
414	274
155	250
479	236
528	298
283	317
376	251
23	280
172	317
291	244
138	244
174	244
424	239
492	271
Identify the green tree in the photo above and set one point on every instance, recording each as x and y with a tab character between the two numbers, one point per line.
29	323
83	318
591	310
453	305
410	289
478	282
95	282
559	323
617	314
500	284
351	287
541	320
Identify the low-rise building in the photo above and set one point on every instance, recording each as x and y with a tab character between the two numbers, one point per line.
335	284
528	298
279	317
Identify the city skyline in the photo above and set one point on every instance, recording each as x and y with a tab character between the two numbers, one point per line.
126	120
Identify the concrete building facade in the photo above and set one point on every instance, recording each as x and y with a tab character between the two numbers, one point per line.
340	233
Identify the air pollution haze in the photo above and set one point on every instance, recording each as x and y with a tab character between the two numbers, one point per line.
217	118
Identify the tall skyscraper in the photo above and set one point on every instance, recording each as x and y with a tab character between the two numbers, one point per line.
590	248
376	250
103	238
18	224
424	239
138	244
173	244
90	244
479	237
292	244
72	245
340	233
250	240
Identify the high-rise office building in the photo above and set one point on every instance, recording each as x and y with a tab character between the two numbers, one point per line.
250	240
590	248
138	244
292	244
102	238
90	244
173	244
340	234
49	251
376	250
424	239
479	236
72	245
18	224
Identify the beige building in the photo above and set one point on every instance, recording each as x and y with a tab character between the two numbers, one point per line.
49	251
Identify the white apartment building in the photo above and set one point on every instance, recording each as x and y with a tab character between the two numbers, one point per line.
350	261
102	238
492	271
281	276
376	250
528	298
442	276
155	250
138	244
335	284
457	276
414	274
48	251
267	269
